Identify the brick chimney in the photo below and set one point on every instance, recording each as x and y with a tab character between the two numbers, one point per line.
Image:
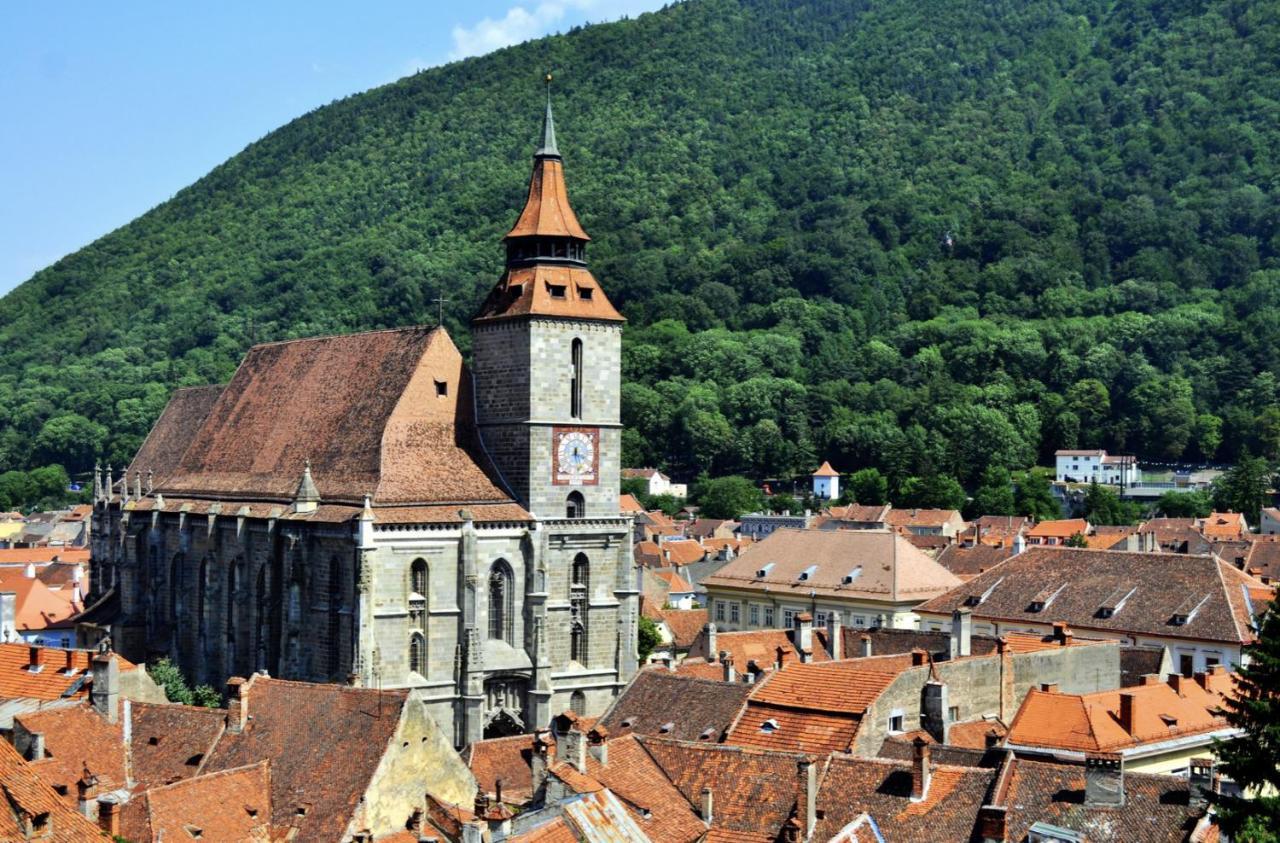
571	743
87	794
992	823
109	815
1062	633
538	760
709	632
237	704
1150	679
707	804
70	666
961	632
35	659
726	662
1177	683
919	769
919	657
804	636
1128	710
1049	687
934	708
105	692
808	791
1103	779
598	743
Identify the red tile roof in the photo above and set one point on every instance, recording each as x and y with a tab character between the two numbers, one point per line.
760	646
162	450
532	291
76	738
968	562
921	517
628	505
685	625
508	760
691	706
547	211
27	797
50	683
171	741
1063	528
230	806
674	581
362	407
872	513
825	470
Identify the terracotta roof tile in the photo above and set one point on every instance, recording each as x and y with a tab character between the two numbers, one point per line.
348	730
753	792
685	625
508	760
1161	588
76	738
547	211
885	566
50	683
868	514
966	562
825	470
555	831
1061	529
26	797
547	290
921	517
656	697
381	427
794	730
170	741
676	582
231	806
628	505
162	450
759	646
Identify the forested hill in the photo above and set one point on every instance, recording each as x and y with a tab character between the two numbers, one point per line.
915	234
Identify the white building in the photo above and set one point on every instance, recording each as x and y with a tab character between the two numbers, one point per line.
826	482
659	483
1096	466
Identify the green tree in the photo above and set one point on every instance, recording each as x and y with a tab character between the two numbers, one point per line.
869	487
728	497
167	675
637	487
1102	506
1034	497
1196	504
647	638
206	696
1253	759
1242	488
1076	540
932	491
994	495
785	504
666	502
71	438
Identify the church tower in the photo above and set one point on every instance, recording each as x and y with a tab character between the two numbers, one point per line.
548	362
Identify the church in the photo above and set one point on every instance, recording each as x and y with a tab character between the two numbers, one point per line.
369	509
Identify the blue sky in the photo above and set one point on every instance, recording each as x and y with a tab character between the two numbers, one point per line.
109	108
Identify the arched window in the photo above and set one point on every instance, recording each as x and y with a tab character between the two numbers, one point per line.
581	576
418	654
500	601
175	571
418	577
575	506
261	622
575	384
578	703
233	573
202	595
578	643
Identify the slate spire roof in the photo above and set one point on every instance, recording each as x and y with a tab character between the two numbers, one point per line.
549	147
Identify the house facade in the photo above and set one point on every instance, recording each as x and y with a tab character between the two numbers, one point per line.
1096	466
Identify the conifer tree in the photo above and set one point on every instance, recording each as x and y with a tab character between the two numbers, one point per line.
1253	759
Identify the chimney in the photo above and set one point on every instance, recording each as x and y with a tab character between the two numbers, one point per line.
1049	687
933	706
864	641
35	659
1128	703
1202	679
919	657
992	823
1176	681
109	815
1103	779
1019	544
575	748
835	635
105	693
706	805
1202	770
1062	633
87	794
237	704
804	637
70	666
35	749
1150	679
991	739
473	831
919	769
538	761
781	654
961	632
809	789
709	631
598	742
726	661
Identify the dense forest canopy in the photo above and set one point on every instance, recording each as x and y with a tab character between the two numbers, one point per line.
915	235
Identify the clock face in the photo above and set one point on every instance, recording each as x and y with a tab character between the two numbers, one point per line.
576	458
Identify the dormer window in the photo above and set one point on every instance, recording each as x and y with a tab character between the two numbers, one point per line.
556	291
584	293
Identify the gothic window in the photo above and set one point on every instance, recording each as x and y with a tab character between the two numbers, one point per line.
501	603
418	594
581	572
202	594
232	571
175	570
575	383
578	703
261	622
575	506
578	643
418	654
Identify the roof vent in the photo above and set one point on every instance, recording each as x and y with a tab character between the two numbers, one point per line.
769	726
666	728
765	570
1186	612
981	597
628	722
1115	601
1045	598
848	578
708	734
807	573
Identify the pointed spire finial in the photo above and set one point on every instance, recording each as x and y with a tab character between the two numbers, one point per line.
307	496
549	147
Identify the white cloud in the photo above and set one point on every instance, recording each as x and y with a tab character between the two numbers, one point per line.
521	23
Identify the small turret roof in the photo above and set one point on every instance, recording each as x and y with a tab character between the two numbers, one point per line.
825	470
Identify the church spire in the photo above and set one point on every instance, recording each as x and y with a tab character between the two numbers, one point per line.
549	147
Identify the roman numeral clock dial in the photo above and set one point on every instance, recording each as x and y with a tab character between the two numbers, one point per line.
576	456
